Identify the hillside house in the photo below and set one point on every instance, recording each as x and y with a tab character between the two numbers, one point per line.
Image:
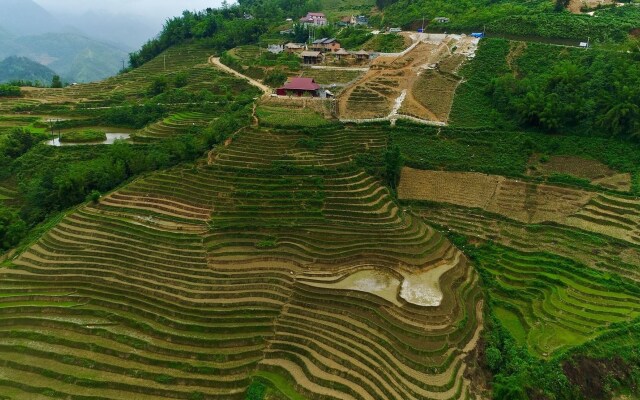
341	54
325	45
314	18
311	57
441	20
294	47
362	55
299	87
360	20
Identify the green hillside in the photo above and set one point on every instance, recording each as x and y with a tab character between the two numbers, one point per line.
478	239
74	57
24	69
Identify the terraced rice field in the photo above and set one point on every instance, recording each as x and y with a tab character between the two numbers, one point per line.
295	116
607	214
553	251
425	74
187	283
245	53
556	302
177	59
175	124
331	76
596	251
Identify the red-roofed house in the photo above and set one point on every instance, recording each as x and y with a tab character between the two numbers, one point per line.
299	87
313	18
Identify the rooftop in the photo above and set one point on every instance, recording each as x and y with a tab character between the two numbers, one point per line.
301	84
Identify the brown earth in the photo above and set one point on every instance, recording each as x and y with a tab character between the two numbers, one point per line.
526	202
425	73
576	6
597	172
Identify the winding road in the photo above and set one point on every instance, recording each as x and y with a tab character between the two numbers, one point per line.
216	61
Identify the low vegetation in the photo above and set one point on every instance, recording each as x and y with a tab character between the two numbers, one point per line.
83	136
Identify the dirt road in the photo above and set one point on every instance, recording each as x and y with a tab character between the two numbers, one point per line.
216	61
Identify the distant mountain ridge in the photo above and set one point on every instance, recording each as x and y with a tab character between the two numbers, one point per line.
26	17
28	30
21	68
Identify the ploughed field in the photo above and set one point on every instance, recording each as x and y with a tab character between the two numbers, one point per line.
562	263
418	83
274	259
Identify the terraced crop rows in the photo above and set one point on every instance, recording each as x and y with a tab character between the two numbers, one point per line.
186	283
596	251
174	125
549	253
611	215
418	83
331	76
558	303
176	59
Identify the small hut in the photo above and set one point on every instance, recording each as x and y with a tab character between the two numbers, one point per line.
341	54
362	55
311	57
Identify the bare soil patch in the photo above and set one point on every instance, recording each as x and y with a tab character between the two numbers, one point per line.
526	202
595	171
426	72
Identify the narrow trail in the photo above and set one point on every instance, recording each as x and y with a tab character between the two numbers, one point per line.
216	61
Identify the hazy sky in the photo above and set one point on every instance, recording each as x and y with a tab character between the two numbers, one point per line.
157	10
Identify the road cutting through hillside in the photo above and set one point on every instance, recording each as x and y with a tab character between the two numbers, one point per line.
216	61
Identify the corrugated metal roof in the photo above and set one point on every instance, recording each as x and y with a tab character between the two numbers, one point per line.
301	84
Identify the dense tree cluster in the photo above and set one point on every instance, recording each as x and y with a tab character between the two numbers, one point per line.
9	91
224	28
597	92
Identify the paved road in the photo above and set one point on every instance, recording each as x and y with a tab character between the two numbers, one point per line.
216	61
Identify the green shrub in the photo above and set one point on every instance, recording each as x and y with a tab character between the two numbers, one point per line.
84	136
10	91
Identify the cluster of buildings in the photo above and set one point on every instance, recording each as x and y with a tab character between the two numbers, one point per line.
320	50
319	19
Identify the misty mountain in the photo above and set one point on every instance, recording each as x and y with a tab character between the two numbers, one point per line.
21	68
124	30
25	17
74	57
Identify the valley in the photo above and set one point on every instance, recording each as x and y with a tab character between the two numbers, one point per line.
459	219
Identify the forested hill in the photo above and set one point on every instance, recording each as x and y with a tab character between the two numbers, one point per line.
24	69
536	17
223	28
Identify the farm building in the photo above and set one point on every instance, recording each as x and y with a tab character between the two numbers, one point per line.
314	18
359	20
325	44
362	55
299	87
341	54
311	57
294	47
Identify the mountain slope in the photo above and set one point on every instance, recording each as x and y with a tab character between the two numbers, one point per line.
25	17
22	68
75	57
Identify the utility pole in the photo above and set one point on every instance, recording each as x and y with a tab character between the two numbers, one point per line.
165	62
123	64
422	31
